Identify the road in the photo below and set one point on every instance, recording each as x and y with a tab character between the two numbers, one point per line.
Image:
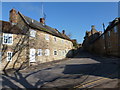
83	71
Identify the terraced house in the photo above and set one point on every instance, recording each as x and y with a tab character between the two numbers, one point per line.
107	43
26	41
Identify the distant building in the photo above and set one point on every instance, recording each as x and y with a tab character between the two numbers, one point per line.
107	43
26	41
75	43
90	37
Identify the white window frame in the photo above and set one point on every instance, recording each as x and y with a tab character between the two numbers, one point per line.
47	52
7	37
55	39
32	33
32	55
62	41
47	37
39	53
9	58
56	52
115	29
63	52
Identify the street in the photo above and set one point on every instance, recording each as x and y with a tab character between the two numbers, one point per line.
83	71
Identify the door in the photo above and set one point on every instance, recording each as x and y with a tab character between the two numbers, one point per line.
32	55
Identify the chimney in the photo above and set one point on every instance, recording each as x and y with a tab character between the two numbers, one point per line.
13	16
42	20
63	32
93	27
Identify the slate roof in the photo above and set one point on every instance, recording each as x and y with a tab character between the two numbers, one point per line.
37	25
7	27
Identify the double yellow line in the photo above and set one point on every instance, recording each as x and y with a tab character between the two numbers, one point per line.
90	83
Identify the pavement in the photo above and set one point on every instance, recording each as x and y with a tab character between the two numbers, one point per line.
79	72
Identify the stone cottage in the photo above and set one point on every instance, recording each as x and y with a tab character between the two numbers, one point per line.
26	41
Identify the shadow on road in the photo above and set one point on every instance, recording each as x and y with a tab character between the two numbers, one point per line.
105	68
108	67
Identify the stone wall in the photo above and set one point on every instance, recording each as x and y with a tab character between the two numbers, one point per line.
19	48
107	44
53	44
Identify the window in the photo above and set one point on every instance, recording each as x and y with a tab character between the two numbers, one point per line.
7	39
9	56
62	41
108	33
66	51
103	36
32	33
104	47
63	52
47	52
55	39
47	37
115	29
39	52
55	52
32	55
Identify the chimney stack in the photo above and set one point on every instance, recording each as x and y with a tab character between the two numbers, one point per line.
63	32
93	27
13	16
42	20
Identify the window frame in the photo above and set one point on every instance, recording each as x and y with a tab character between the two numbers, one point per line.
55	52
32	33
115	29
109	33
39	52
55	39
47	37
9	56
47	52
8	38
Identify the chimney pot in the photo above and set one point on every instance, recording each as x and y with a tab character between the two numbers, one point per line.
63	31
93	26
42	20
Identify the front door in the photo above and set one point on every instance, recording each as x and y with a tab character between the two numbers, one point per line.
32	55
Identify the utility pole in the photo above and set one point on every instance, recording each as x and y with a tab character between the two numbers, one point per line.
104	38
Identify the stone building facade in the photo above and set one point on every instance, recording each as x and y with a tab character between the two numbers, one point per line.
26	41
107	43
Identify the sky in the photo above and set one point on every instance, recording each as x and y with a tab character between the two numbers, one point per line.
73	17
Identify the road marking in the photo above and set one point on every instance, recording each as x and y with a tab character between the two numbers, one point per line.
93	81
90	82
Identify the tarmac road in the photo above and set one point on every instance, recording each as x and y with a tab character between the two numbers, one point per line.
73	72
